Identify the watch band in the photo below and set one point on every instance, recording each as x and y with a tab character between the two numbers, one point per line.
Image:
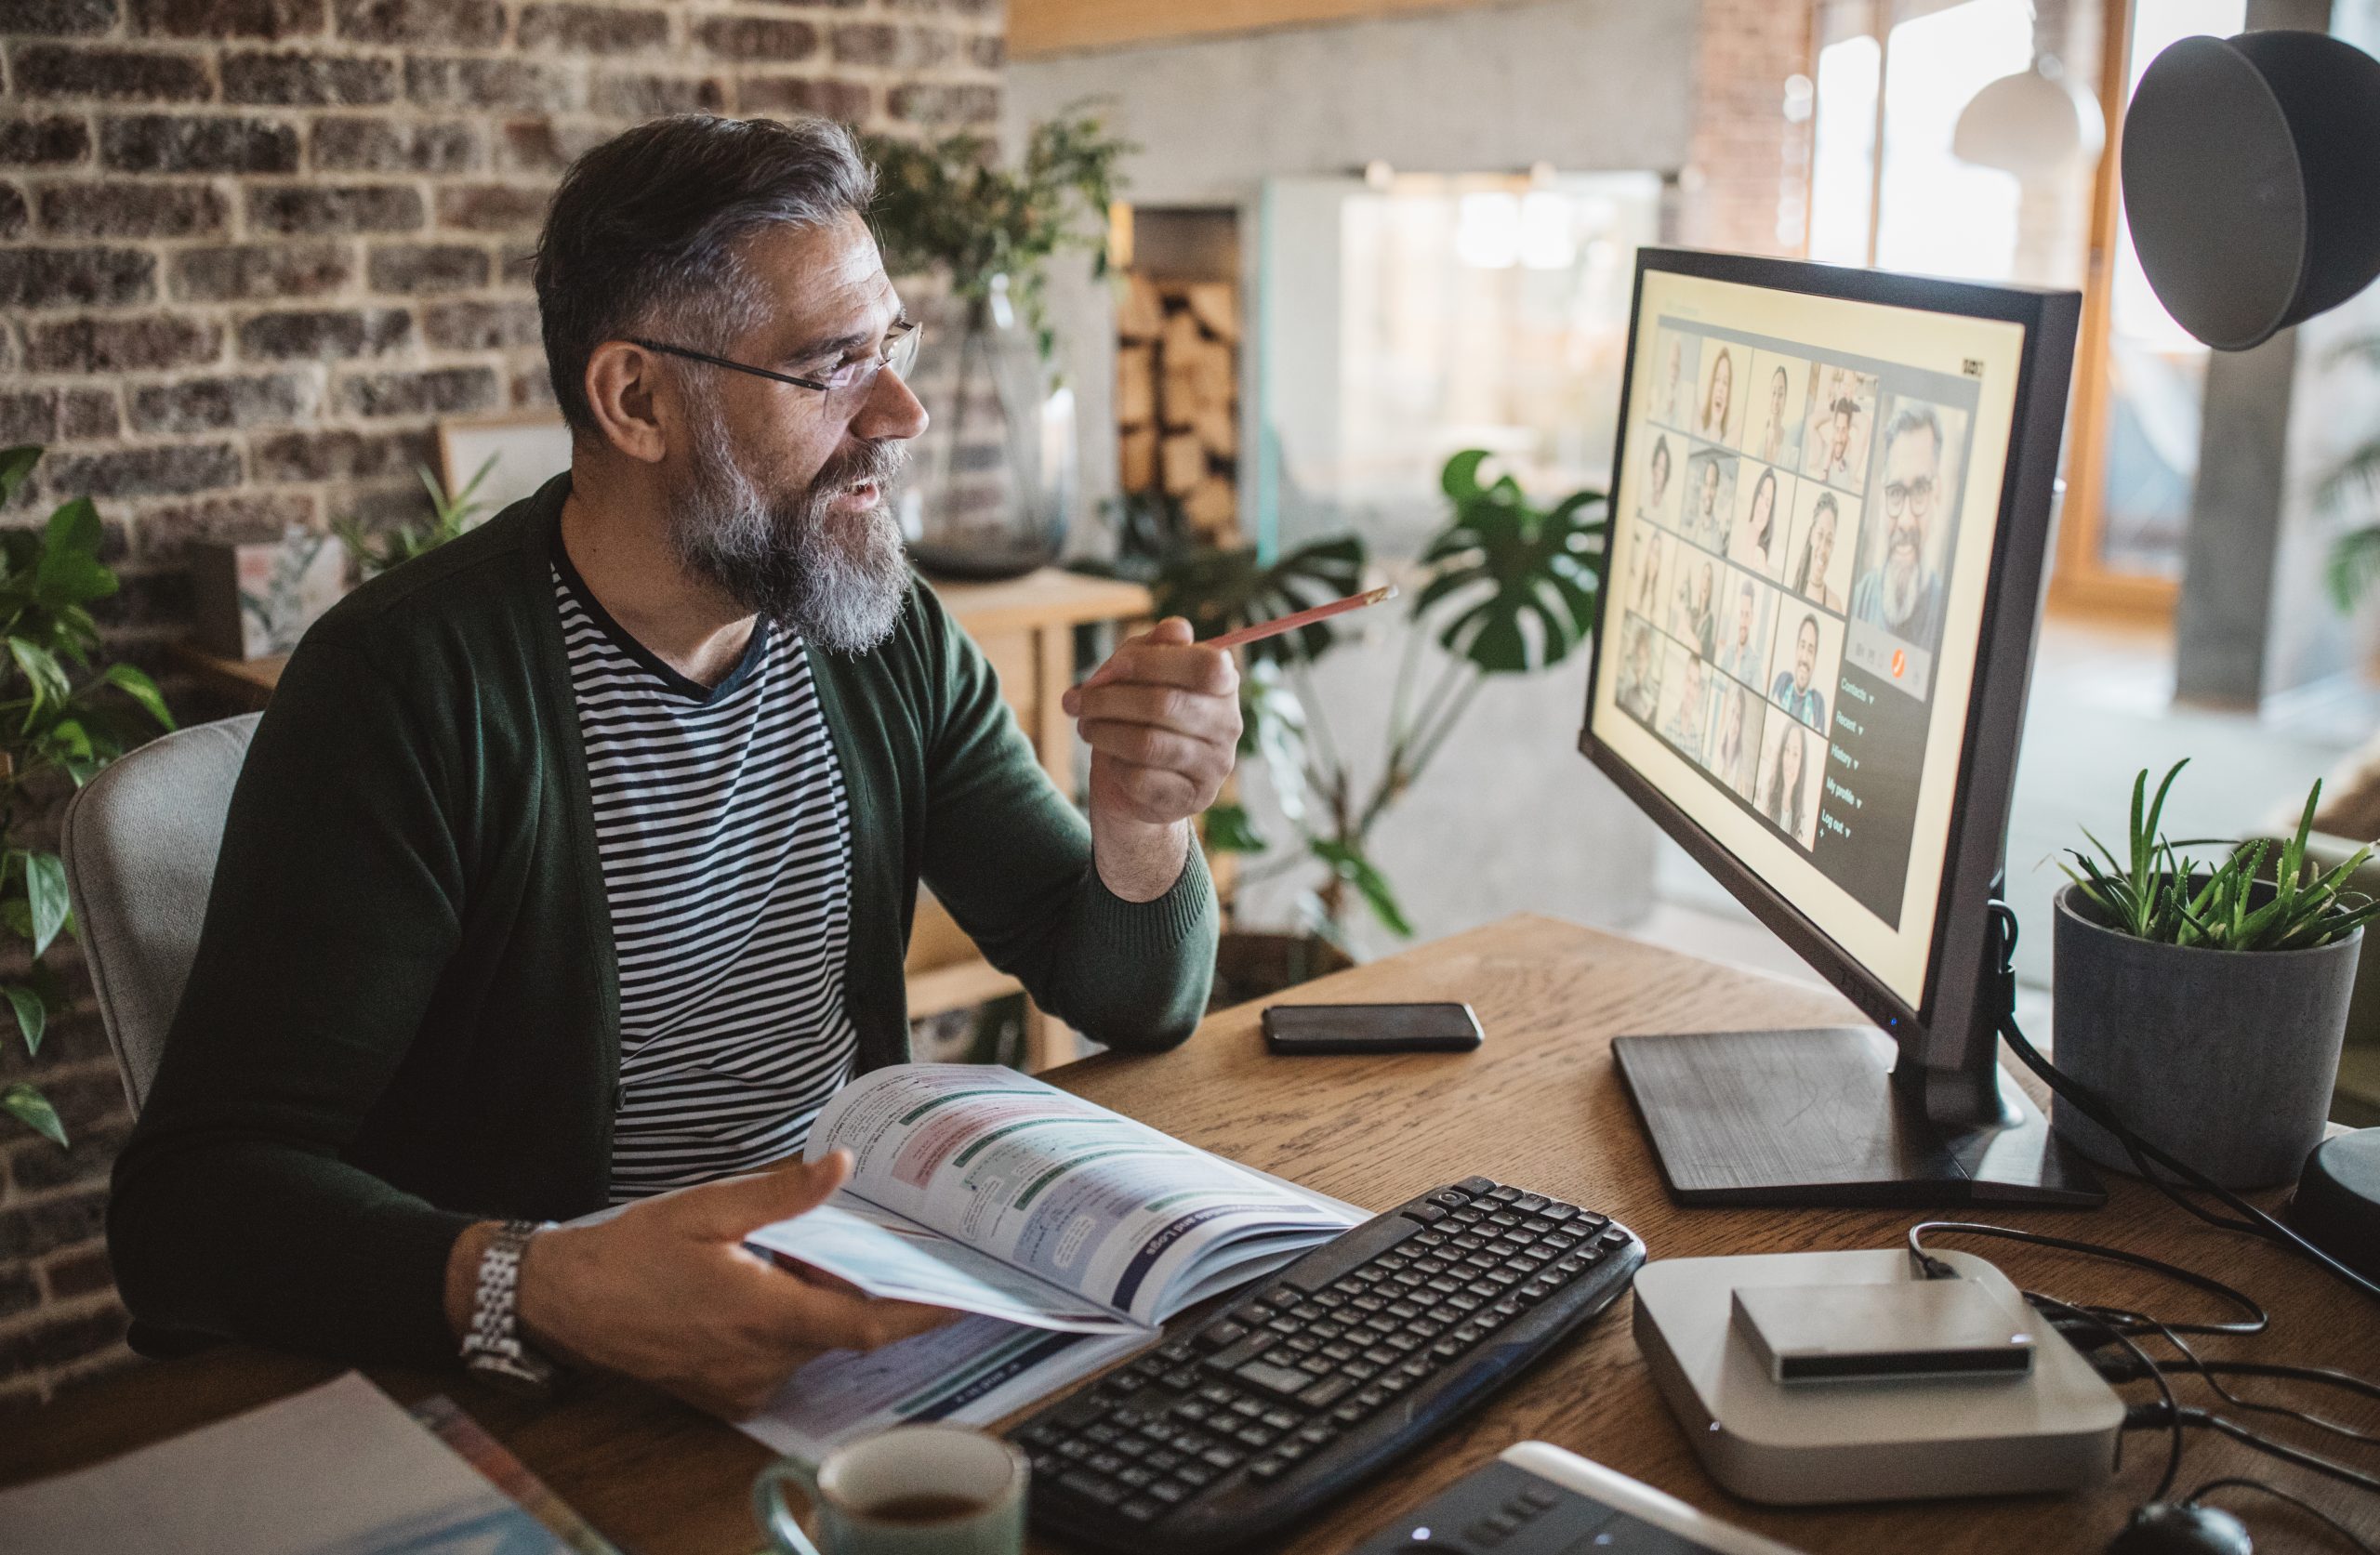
494	1350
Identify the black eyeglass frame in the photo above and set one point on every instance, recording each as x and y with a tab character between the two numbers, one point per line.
903	335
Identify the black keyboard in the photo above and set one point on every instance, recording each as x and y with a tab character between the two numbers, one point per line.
1326	1373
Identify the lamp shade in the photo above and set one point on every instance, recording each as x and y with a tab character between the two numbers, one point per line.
2252	180
2028	124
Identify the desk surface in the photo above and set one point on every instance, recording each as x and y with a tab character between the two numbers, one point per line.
1539	1105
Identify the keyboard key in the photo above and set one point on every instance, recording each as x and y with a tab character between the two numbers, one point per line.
1090	1487
1284	1381
1326	1393
1559	1211
1221	1457
1528	1204
1103	1463
1505	1195
1451	1198
1351	1413
1221	1336
1477	1185
1197	1476
1256	1436
1247	1408
1136	1478
1267	1469
1425	1213
1168	1491
1141	1509
1181	1381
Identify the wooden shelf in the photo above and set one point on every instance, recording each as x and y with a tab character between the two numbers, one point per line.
960	985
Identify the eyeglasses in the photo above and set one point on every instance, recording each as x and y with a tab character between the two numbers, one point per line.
849	379
1916	494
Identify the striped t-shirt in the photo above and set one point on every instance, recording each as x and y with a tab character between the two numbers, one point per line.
725	838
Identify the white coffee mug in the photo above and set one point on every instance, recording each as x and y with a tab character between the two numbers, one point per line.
913	1490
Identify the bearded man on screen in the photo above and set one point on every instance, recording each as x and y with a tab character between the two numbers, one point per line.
573	864
1902	593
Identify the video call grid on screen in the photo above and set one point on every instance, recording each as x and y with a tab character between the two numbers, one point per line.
1788	559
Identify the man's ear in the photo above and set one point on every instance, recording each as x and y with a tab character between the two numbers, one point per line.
635	404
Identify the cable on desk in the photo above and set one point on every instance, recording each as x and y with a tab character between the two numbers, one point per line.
2205	1370
2208	1420
2255	1322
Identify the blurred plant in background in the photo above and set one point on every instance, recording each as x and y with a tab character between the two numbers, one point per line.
376	553
65	714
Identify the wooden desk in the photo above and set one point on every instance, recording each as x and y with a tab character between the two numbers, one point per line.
1026	627
1539	1105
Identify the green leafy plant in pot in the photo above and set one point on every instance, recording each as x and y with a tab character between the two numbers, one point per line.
993	478
1506	588
63	716
2207	1000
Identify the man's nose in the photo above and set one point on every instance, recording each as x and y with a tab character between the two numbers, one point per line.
892	411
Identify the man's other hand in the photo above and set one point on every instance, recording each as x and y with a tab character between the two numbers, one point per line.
1162	720
665	1291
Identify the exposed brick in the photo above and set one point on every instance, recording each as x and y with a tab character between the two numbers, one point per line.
80	1272
451	23
186	143
165	535
445	391
591	29
117	209
424	267
85	413
313	334
298	79
56	142
516	85
943	105
21	1400
57	1340
393	146
29	1231
227	18
866	42
338	455
334	208
479	326
20	1291
13	217
491	207
256	272
145	472
60	16
75	277
533	391
650	96
210	403
88	1154
118	74
757	37
990	53
122	345
28	415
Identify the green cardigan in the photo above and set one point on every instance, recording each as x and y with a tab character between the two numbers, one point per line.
405	1012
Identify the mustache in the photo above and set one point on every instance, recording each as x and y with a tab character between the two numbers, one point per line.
881	462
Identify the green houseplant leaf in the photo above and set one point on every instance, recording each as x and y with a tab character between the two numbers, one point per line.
135	683
31	1011
46	893
15	465
1219	591
31	1108
1521	580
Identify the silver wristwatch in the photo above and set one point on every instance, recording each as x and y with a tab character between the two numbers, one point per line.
493	1350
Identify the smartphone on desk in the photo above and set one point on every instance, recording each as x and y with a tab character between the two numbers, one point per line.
1370	1028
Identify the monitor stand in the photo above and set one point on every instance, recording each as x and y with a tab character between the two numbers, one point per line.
1814	1118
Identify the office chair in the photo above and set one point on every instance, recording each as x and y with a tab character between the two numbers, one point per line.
139	843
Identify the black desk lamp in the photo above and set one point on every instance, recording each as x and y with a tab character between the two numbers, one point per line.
2251	181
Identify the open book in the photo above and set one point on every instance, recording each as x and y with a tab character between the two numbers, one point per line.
983	1189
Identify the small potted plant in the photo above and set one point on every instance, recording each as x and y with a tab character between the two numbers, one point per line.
2206	1001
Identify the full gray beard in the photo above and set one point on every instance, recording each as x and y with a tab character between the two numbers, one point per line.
1902	579
838	582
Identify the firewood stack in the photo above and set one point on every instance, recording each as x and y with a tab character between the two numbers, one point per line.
1177	399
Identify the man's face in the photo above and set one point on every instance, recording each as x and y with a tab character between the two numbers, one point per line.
1805	656
1841	436
1913	467
1743	616
1709	489
781	492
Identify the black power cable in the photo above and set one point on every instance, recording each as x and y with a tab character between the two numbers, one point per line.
2317	1514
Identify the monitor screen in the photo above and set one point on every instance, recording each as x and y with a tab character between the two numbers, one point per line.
1804	520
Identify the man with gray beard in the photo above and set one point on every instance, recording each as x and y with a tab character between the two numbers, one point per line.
1902	593
572	864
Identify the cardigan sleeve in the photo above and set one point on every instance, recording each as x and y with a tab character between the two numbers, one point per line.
1011	857
335	907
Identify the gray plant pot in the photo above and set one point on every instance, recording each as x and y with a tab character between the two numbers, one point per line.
2225	1059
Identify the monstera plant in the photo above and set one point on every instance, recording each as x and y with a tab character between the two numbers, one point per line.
1506	588
63	716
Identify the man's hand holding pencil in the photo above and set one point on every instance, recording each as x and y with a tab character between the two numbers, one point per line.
1162	720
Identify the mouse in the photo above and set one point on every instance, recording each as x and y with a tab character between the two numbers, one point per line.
2179	1528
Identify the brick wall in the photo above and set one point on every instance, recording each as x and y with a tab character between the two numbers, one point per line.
250	250
1746	185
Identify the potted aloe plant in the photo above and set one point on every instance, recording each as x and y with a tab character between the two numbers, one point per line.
2206	1001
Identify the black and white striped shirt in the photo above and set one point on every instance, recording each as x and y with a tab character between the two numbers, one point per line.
725	838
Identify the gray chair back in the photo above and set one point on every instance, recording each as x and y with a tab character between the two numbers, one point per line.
139	842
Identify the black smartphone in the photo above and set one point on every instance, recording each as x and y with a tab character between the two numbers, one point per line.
1370	1028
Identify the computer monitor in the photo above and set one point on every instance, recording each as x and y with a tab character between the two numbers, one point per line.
1831	513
